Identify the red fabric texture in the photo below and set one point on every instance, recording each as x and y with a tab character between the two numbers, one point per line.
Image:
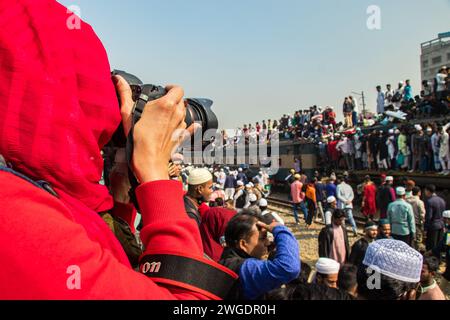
332	151
369	194
59	108
214	223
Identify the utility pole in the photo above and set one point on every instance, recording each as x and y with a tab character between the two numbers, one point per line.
364	105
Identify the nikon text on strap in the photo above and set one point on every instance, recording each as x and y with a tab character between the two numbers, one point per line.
200	275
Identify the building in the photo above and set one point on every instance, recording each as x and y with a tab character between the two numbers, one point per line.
435	54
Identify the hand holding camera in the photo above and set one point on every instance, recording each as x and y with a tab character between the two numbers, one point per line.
152	138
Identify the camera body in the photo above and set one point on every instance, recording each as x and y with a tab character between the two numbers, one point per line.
197	109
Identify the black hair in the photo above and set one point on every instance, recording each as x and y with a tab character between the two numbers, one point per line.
431	188
388	289
338	213
268	218
240	227
219	202
305	272
347	277
415	191
432	263
308	291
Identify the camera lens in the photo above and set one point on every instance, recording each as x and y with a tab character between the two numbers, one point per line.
199	110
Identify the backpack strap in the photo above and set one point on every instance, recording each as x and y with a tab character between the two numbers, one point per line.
41	184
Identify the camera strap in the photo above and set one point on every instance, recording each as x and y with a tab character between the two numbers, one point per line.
192	273
148	93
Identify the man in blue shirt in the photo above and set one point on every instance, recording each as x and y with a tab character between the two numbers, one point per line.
331	188
247	243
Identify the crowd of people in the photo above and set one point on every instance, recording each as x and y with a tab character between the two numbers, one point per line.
385	140
418	227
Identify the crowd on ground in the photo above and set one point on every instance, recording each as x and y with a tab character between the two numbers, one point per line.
418	228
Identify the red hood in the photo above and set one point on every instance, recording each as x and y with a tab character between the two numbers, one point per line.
58	102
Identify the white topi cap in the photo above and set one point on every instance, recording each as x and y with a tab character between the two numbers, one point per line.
394	259
327	266
331	199
199	176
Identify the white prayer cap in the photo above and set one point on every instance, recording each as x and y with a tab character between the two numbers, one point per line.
446	214
263	203
418	127
248	185
394	259
252	197
177	158
327	266
211	170
389	178
199	176
401	191
251	184
331	199
240	183
391	131
429	129
240	169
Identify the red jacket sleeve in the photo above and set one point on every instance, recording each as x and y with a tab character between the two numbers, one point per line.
47	254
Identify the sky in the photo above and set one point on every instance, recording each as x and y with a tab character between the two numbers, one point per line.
260	59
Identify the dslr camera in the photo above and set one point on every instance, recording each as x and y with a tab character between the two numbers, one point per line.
197	110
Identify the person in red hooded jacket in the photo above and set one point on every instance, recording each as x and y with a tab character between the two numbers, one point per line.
59	108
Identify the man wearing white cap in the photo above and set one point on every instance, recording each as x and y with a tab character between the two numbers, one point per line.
242	176
264	211
392	271
240	196
200	188
327	271
331	206
253	203
401	217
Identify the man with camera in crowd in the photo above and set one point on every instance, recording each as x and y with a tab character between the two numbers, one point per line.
55	133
